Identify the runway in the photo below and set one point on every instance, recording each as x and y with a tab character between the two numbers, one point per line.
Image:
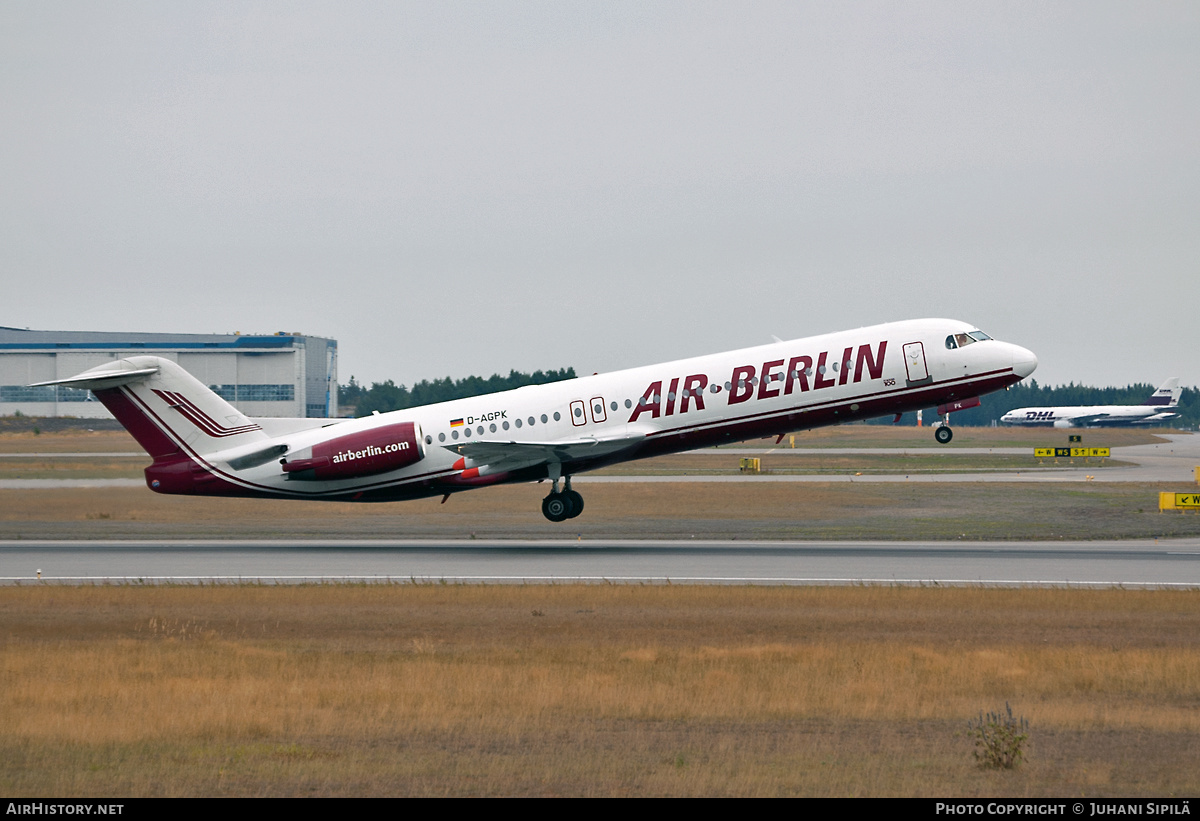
1144	563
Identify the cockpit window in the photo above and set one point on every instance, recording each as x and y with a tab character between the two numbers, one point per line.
962	340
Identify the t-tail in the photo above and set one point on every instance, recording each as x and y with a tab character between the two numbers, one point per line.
176	418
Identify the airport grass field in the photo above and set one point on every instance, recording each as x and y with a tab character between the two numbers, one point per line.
667	510
750	510
473	690
593	690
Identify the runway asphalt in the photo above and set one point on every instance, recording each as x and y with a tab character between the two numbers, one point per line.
1170	563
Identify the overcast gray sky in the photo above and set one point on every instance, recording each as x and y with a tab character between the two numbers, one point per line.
457	188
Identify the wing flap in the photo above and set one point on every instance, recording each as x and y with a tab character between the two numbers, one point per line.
511	454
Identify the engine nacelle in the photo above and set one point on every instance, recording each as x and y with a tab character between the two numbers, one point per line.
377	450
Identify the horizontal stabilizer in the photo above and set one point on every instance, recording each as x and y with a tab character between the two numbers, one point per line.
109	375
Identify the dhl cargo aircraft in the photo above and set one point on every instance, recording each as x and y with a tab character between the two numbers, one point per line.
202	445
1157	409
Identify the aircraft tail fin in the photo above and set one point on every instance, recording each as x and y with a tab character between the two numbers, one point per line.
1167	395
166	409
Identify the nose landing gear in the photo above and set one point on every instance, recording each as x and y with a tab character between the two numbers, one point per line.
942	432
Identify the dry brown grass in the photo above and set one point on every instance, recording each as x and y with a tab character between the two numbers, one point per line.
96	467
783	462
74	441
592	690
810	510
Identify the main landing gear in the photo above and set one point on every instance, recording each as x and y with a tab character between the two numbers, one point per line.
558	507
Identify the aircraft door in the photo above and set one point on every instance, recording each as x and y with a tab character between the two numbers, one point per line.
914	363
598	412
578	414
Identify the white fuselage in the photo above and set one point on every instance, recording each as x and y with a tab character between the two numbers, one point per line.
539	431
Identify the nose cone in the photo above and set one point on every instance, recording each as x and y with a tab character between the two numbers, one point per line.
1024	362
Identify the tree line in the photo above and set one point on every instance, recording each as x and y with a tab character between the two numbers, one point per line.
358	400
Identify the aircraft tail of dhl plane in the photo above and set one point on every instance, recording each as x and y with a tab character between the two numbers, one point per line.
202	445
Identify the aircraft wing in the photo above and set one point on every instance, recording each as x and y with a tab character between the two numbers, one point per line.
509	455
1156	419
1083	420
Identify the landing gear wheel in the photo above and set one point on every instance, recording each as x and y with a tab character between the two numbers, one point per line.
558	507
576	503
943	435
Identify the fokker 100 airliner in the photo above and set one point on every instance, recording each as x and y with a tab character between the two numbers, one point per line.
202	445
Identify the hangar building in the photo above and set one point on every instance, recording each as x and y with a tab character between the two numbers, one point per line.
261	375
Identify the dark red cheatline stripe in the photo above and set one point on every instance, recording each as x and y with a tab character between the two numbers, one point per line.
199	418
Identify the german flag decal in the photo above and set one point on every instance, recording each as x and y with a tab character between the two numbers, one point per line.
456	423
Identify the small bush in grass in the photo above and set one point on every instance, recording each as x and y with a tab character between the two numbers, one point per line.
999	739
